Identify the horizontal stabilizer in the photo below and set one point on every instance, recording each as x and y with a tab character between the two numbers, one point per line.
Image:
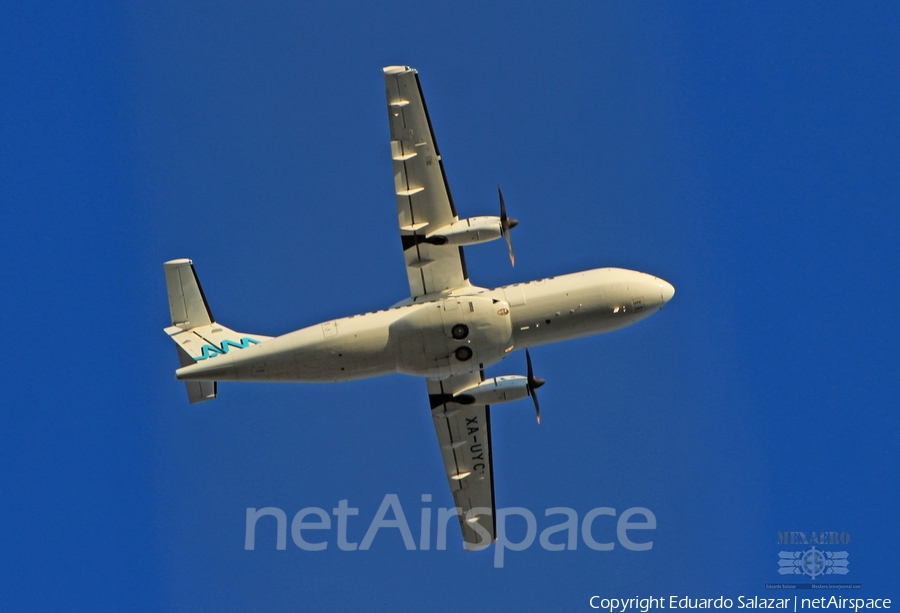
212	340
197	391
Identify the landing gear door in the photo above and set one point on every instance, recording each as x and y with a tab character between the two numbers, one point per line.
478	331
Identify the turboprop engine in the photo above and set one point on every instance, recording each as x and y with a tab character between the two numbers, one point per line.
467	231
494	390
477	230
503	389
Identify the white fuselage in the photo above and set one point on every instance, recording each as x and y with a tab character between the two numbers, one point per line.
459	332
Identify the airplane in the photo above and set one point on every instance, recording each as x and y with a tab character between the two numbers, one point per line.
448	331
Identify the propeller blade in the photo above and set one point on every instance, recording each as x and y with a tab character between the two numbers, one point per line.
512	256
533	384
506	224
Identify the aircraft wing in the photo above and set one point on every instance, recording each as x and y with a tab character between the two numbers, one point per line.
424	203
464	434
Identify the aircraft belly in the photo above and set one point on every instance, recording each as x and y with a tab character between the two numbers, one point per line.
420	341
452	336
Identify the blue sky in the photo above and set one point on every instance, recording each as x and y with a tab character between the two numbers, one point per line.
745	152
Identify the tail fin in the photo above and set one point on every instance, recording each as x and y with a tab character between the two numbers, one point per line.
187	304
196	334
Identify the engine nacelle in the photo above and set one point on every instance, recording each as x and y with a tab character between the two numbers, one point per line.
466	232
494	390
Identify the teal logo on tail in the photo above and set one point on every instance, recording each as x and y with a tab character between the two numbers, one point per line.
211	351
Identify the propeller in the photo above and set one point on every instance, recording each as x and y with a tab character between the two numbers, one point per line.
533	384
507	224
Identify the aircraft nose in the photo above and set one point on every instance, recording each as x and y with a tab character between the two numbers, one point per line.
667	290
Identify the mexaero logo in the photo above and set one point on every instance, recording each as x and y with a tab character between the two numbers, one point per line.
211	351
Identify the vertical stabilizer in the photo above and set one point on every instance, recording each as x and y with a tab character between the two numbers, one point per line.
187	304
196	334
188	309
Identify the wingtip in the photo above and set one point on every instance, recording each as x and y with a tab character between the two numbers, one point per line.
397	69
177	262
477	546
